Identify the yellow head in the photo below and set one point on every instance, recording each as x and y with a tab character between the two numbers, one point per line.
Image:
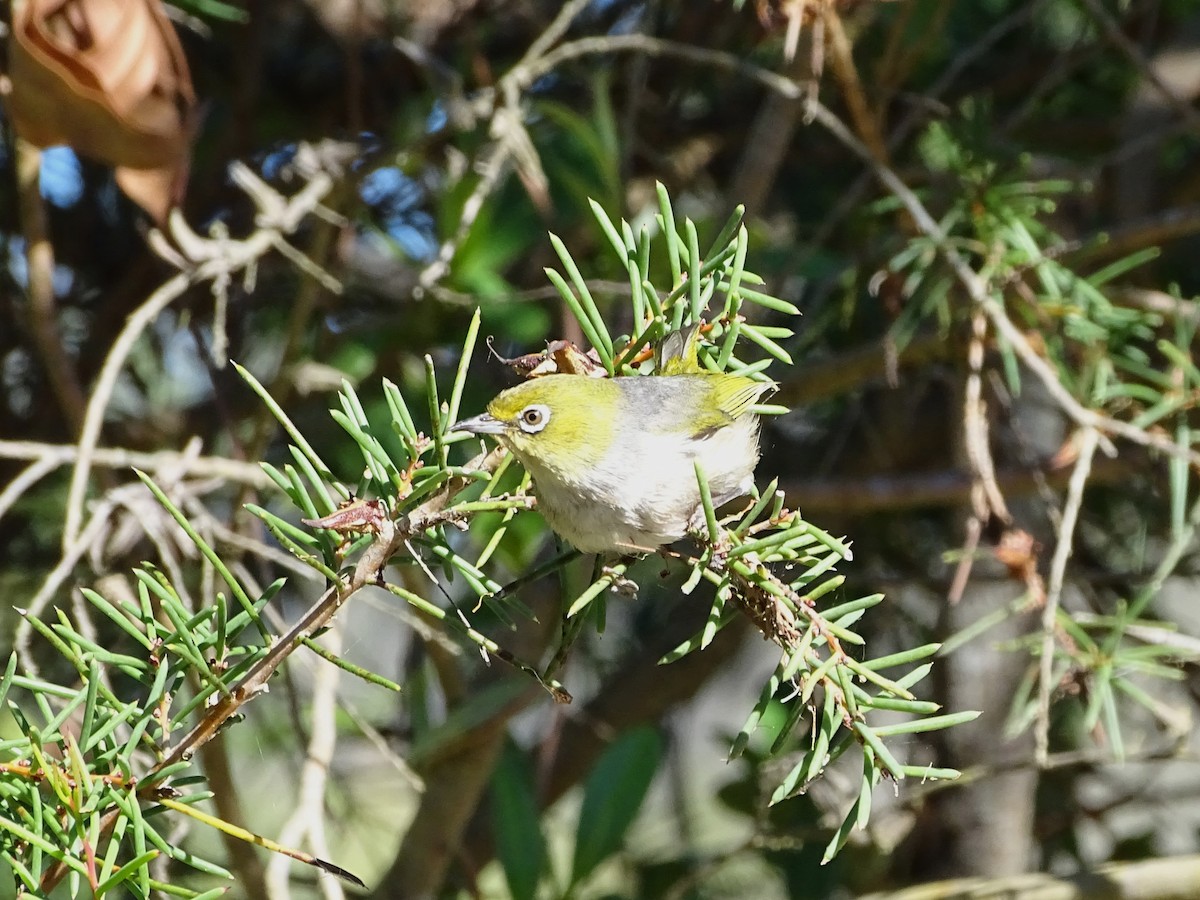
564	423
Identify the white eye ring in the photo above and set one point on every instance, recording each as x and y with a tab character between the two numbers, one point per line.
534	418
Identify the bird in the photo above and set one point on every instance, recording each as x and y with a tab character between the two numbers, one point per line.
612	459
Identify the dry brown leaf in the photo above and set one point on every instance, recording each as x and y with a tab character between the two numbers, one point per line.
1018	552
157	191
109	79
559	358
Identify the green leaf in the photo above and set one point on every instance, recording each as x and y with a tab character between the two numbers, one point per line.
932	723
228	11
666	220
516	823
612	796
131	868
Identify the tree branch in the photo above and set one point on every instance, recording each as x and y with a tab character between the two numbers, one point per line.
202	260
1174	878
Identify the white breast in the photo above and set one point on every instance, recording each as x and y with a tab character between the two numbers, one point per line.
627	506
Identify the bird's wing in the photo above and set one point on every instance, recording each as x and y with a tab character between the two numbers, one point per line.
735	395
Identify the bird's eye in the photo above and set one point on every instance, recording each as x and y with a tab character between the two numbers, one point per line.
534	418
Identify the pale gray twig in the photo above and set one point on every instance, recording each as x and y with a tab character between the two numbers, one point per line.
1087	441
987	500
307	821
491	166
26	478
556	29
1112	30
55	580
529	72
978	291
228	537
206	260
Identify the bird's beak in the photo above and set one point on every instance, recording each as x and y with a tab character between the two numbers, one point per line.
481	424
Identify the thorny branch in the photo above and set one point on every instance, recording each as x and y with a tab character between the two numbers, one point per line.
392	538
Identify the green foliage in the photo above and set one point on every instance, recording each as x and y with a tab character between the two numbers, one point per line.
612	795
214	9
516	823
583	158
128	753
93	745
743	558
85	768
1115	359
997	217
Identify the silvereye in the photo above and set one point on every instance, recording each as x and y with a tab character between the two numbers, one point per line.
612	459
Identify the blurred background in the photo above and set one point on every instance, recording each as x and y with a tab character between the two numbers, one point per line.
432	145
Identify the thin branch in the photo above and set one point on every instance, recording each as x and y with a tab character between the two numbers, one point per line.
244	859
978	292
207	260
1181	542
102	392
987	500
866	119
380	742
48	457
1159	302
852	368
765	146
390	539
1088	440
1112	30
228	537
26	479
55	580
1162	227
975	427
511	144
511	140
368	571
556	29
527	74
947	487
307	820
144	518
492	167
1155	879
524	75
300	316
39	265
852	198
